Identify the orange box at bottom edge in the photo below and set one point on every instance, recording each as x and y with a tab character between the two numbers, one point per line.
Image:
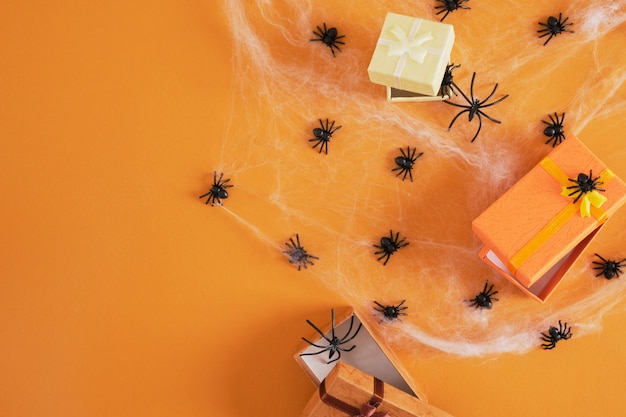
354	387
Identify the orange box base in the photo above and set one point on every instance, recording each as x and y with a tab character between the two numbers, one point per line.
368	356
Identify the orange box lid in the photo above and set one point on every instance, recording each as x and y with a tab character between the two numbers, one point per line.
532	225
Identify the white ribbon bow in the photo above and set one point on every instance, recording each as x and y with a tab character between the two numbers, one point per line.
412	47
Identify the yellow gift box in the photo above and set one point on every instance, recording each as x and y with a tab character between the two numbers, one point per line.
411	54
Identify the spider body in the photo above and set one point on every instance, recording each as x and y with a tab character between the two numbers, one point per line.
449	6
329	37
473	109
323	134
485	298
447	84
391	312
553	27
584	184
218	190
297	254
335	344
610	269
389	245
405	162
554	335
554	130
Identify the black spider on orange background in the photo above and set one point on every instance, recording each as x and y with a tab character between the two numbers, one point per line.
218	190
584	184
553	27
329	37
554	130
323	134
389	245
449	6
391	312
475	106
555	335
485	298
297	254
610	269
405	162
335	344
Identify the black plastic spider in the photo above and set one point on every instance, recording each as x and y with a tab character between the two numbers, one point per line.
554	335
218	190
475	106
584	184
334	343
610	269
328	37
554	130
485	298
297	254
447	84
405	162
391	312
323	134
450	6
388	245
553	27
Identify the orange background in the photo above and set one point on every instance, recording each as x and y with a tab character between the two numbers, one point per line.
121	294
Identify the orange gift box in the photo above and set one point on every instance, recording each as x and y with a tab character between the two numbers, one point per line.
535	231
368	355
346	391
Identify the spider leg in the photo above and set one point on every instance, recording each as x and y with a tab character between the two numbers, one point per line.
457	104
379	305
488	117
480	125
384	254
495	102
319	331
335	129
346	339
445	15
472	87
548	40
317	346
456	117
316	353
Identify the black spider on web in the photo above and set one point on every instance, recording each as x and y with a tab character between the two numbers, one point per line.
218	190
389	245
297	254
391	312
485	298
554	27
335	344
448	6
554	335
405	162
474	106
329	37
323	134
609	268
584	184
554	129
